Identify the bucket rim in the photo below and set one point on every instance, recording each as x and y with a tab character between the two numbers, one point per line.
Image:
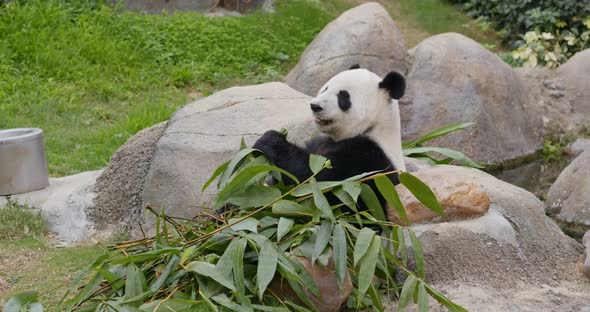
16	135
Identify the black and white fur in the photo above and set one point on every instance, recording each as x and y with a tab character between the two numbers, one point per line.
357	112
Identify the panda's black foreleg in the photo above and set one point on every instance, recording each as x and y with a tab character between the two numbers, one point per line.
285	155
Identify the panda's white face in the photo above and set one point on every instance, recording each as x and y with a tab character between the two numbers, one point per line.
350	103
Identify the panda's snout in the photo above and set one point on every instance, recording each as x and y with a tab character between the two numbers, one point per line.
315	108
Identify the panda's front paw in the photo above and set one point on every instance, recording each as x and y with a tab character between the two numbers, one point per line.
271	143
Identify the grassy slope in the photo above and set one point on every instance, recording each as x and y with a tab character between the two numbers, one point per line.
91	77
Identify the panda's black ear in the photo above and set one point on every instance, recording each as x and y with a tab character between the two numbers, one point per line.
355	66
395	84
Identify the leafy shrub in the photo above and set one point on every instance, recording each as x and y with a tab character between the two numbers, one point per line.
545	32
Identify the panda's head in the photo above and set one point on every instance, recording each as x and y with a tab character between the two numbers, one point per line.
354	101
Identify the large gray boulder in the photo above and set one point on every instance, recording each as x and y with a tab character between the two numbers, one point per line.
513	242
365	35
454	79
119	189
569	196
204	134
574	74
560	97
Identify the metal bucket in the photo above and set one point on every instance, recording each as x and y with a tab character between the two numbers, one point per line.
23	167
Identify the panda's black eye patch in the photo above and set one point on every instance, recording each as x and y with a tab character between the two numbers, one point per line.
344	100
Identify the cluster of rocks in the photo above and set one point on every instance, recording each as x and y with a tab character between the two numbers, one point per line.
495	235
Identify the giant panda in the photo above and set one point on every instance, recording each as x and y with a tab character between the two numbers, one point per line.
357	114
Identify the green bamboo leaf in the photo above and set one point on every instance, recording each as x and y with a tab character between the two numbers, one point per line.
269	309
243	178
249	224
267	265
306	189
418	253
243	144
395	239
146	256
320	201
322	240
216	173
238	269
232	165
254	196
441	131
207	269
361	246
223	300
402	245
339	253
135	284
159	282
345	198
407	293
422	192
285	225
113	279
423	305
317	163
367	266
388	191
287	207
86	292
212	307
352	188
372	202
456	155
375	298
20	301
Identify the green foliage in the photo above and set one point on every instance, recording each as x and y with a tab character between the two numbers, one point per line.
415	149
230	263
19	221
553	149
545	32
91	76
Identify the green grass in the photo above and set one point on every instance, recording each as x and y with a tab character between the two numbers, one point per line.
39	267
17	222
91	77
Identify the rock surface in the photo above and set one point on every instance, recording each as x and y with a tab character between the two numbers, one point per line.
204	134
569	196
586	243
460	199
513	243
119	188
579	146
364	35
574	74
64	203
454	79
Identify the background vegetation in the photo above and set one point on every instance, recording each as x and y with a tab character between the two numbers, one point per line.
545	32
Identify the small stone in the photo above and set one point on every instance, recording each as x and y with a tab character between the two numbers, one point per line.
460	199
